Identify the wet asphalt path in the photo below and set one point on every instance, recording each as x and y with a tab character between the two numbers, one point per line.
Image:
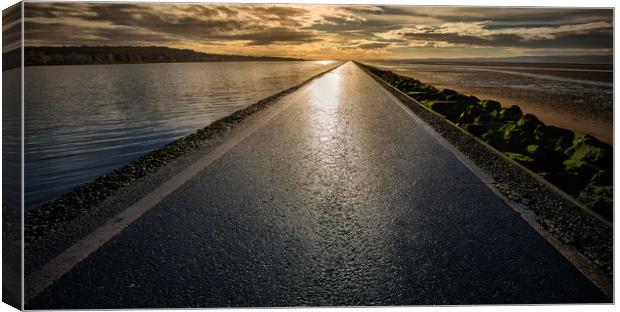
341	199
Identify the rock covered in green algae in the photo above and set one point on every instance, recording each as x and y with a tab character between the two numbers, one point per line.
450	110
547	157
489	121
490	105
584	170
464	119
520	158
495	139
529	122
451	95
598	194
599	198
516	138
512	113
470	113
588	148
603	177
558	138
421	93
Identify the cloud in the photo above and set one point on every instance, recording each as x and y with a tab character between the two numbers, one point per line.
366	45
596	35
11	28
315	29
273	36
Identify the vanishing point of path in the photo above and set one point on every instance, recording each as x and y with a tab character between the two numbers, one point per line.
342	198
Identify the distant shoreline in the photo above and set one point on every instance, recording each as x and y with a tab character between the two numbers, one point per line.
144	63
112	55
171	62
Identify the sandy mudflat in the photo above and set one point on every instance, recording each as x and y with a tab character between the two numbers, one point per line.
581	124
583	115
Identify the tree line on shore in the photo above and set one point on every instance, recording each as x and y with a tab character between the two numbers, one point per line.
83	55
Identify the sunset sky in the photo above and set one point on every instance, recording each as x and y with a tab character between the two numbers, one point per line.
326	32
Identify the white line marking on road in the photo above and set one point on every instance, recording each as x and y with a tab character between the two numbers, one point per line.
45	276
579	261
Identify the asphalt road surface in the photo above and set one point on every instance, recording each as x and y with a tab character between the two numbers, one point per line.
341	199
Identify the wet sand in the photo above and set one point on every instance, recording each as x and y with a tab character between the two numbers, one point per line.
593	120
579	124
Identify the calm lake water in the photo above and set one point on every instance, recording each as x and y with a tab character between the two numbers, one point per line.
11	140
84	121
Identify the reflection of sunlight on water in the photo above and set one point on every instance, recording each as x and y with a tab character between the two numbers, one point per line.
324	62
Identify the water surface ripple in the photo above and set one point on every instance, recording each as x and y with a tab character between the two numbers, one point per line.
84	121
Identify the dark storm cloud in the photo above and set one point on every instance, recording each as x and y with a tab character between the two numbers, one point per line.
38	32
373	45
195	23
282	15
11	28
592	40
12	34
139	16
598	35
476	14
367	27
369	45
11	14
273	36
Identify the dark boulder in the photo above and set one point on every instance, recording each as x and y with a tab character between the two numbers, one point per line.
473	99
450	110
475	129
512	113
582	169
464	119
559	138
566	181
494	139
588	148
547	158
474	110
599	198
451	95
529	123
516	138
603	177
469	115
427	93
489	121
490	105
